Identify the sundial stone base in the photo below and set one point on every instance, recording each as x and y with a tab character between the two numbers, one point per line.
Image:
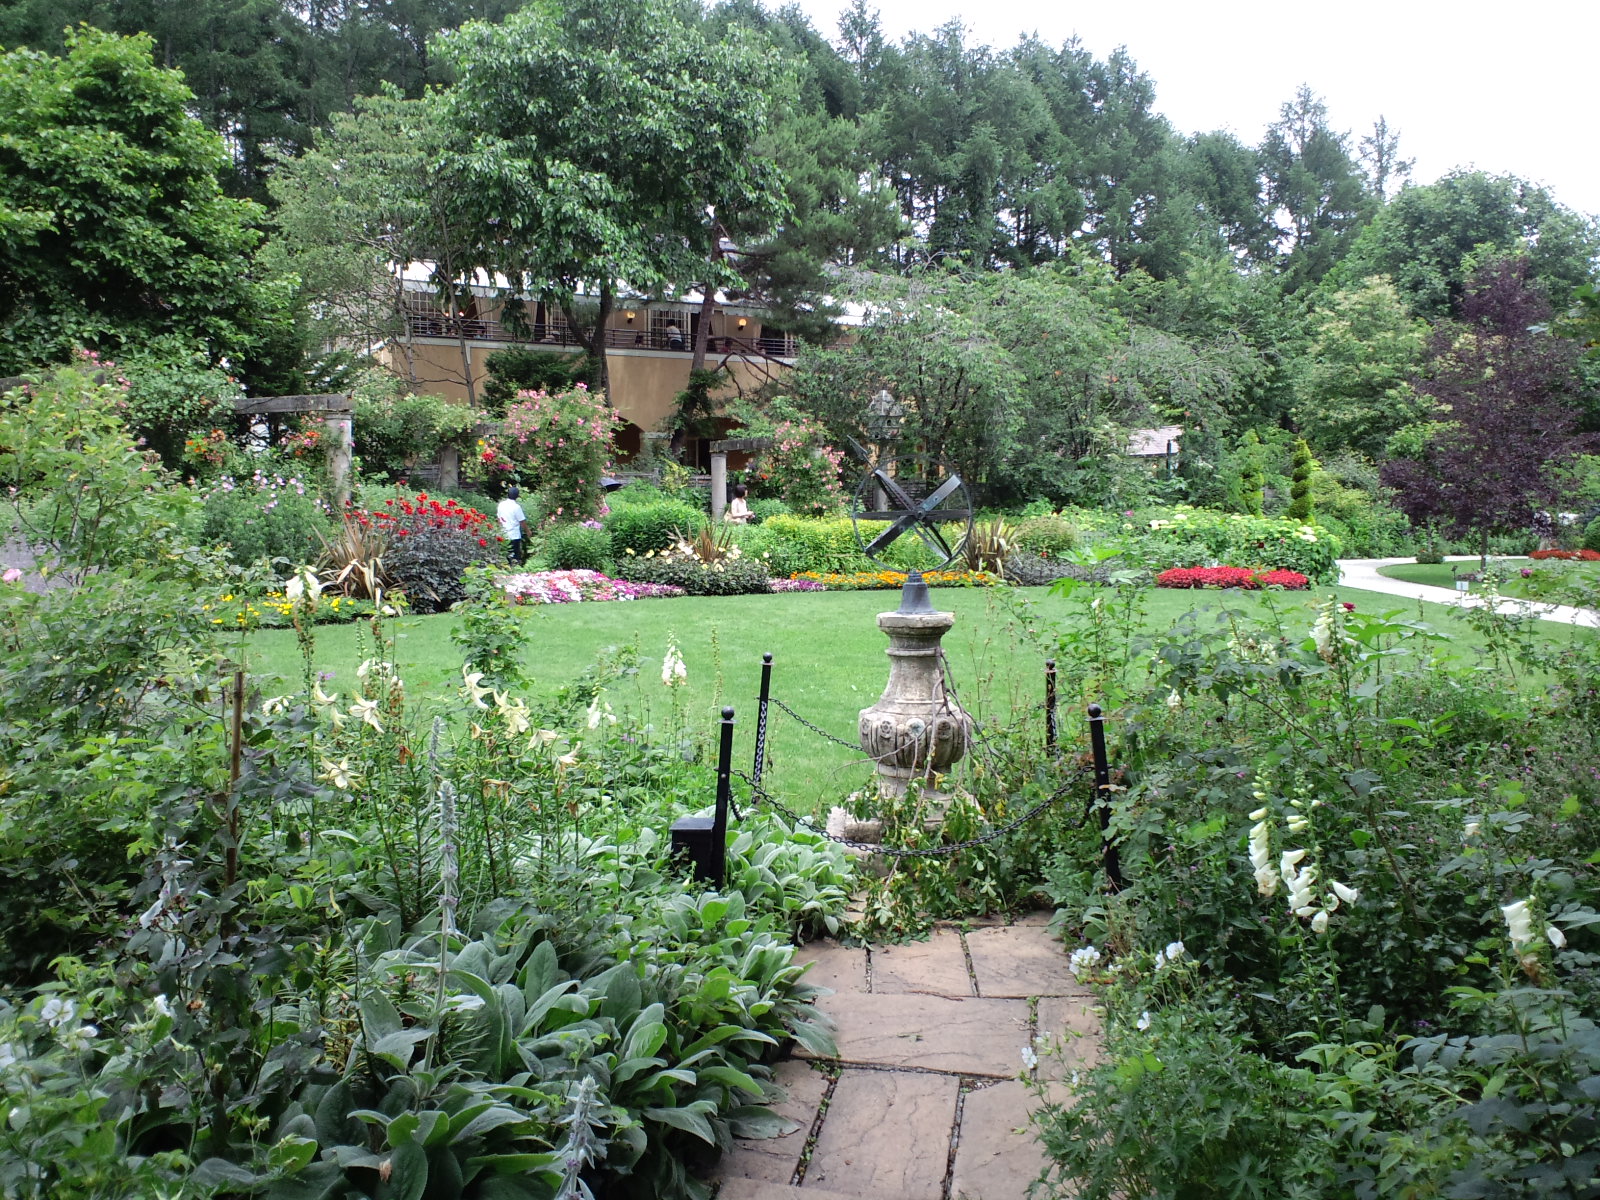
917	730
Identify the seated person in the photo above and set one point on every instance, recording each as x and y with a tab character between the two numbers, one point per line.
738	511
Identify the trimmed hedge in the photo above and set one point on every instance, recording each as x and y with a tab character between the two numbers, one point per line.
573	547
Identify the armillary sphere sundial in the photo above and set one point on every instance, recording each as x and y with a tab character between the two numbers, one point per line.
913	495
917	729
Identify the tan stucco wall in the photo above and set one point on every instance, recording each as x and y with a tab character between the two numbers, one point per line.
643	382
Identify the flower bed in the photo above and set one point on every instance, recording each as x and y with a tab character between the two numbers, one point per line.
1231	577
860	581
1576	555
572	587
797	585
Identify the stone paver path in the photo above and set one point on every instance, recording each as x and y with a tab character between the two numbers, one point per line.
923	1101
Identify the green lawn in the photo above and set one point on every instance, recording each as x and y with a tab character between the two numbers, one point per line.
827	653
1440	574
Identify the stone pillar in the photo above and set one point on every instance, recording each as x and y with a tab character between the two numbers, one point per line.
449	467
916	729
339	437
719	484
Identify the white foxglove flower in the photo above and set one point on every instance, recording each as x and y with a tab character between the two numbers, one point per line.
1289	860
1557	938
1345	892
1319	923
1519	923
1470	830
1260	814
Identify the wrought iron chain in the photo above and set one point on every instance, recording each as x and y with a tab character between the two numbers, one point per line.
816	729
983	839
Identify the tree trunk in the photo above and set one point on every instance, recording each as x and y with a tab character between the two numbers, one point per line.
702	333
602	323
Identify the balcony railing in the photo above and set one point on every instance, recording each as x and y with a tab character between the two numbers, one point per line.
438	325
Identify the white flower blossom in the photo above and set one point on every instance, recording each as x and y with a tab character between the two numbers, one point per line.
1319	922
367	711
673	671
58	1012
1469	830
340	773
1173	699
1557	938
1175	951
1519	923
163	1006
1344	891
1082	961
472	687
514	713
1143	1023
1030	1059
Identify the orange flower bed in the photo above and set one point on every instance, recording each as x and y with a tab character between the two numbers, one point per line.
861	581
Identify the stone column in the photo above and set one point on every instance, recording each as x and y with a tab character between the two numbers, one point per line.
916	729
719	485
339	437
449	467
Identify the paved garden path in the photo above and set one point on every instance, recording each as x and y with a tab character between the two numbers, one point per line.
1363	573
924	1101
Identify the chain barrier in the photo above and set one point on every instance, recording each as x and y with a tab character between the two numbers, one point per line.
766	799
948	694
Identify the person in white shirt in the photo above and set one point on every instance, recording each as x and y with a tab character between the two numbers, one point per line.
738	508
513	524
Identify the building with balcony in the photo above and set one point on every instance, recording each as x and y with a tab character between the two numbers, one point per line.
649	346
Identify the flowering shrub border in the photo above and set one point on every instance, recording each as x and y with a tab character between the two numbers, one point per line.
573	587
862	581
1231	577
1570	555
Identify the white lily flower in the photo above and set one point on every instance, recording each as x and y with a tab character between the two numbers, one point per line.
472	685
367	711
340	773
514	713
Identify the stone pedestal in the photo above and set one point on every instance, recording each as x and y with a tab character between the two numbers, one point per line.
916	730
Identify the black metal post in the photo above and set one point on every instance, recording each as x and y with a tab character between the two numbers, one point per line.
1050	705
1102	792
704	840
761	719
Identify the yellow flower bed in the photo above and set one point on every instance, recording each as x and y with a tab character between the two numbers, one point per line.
870	580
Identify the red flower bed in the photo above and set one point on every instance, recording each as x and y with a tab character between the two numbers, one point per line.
1580	555
1230	577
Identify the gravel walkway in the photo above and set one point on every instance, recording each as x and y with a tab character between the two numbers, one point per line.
1363	573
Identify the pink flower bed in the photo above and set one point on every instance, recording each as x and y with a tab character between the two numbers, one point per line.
573	587
1230	577
798	585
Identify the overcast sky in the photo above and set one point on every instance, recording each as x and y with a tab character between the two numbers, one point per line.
1507	88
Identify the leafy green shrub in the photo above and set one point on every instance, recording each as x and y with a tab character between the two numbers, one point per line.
739	576
812	544
1049	536
264	518
394	431
636	491
173	393
431	542
1591	535
516	369
652	526
766	508
1200	537
576	548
